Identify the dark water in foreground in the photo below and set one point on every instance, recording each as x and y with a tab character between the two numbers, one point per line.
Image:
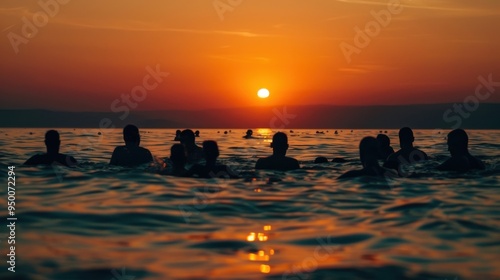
96	222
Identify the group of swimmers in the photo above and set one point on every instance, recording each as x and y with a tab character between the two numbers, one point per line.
372	151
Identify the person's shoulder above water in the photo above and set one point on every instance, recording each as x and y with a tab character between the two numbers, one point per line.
277	163
461	160
47	159
129	156
476	163
409	155
52	143
279	160
462	164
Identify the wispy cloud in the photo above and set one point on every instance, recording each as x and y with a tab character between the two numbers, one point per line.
237	58
366	68
431	5
130	26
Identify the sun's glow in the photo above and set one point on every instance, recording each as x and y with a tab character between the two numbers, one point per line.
263	93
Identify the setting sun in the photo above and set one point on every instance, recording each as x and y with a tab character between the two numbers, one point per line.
263	93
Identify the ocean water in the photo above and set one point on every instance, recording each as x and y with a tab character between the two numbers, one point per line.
100	222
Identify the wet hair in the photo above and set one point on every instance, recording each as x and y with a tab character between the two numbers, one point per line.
383	140
52	139
406	135
131	133
187	136
280	140
458	139
211	149
178	154
368	147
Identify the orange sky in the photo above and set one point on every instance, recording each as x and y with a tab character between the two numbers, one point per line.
91	52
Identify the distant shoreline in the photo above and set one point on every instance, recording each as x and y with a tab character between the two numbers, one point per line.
321	117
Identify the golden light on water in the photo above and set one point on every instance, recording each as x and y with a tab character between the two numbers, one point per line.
262	237
251	237
264	268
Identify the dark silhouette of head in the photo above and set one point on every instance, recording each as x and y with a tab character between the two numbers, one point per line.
178	132
321	160
249	132
368	150
131	135
406	137
197	133
178	155
458	142
211	150
383	140
187	137
52	141
280	144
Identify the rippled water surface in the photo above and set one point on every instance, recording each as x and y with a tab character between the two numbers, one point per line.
100	222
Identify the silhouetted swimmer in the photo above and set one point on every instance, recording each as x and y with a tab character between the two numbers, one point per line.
407	154
461	160
177	135
52	142
321	160
279	160
384	146
178	159
225	132
336	132
248	134
211	169
131	154
197	133
194	153
368	154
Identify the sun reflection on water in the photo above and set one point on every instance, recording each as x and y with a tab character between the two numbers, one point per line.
261	255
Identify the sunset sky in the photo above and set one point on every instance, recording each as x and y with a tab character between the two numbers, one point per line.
91	52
